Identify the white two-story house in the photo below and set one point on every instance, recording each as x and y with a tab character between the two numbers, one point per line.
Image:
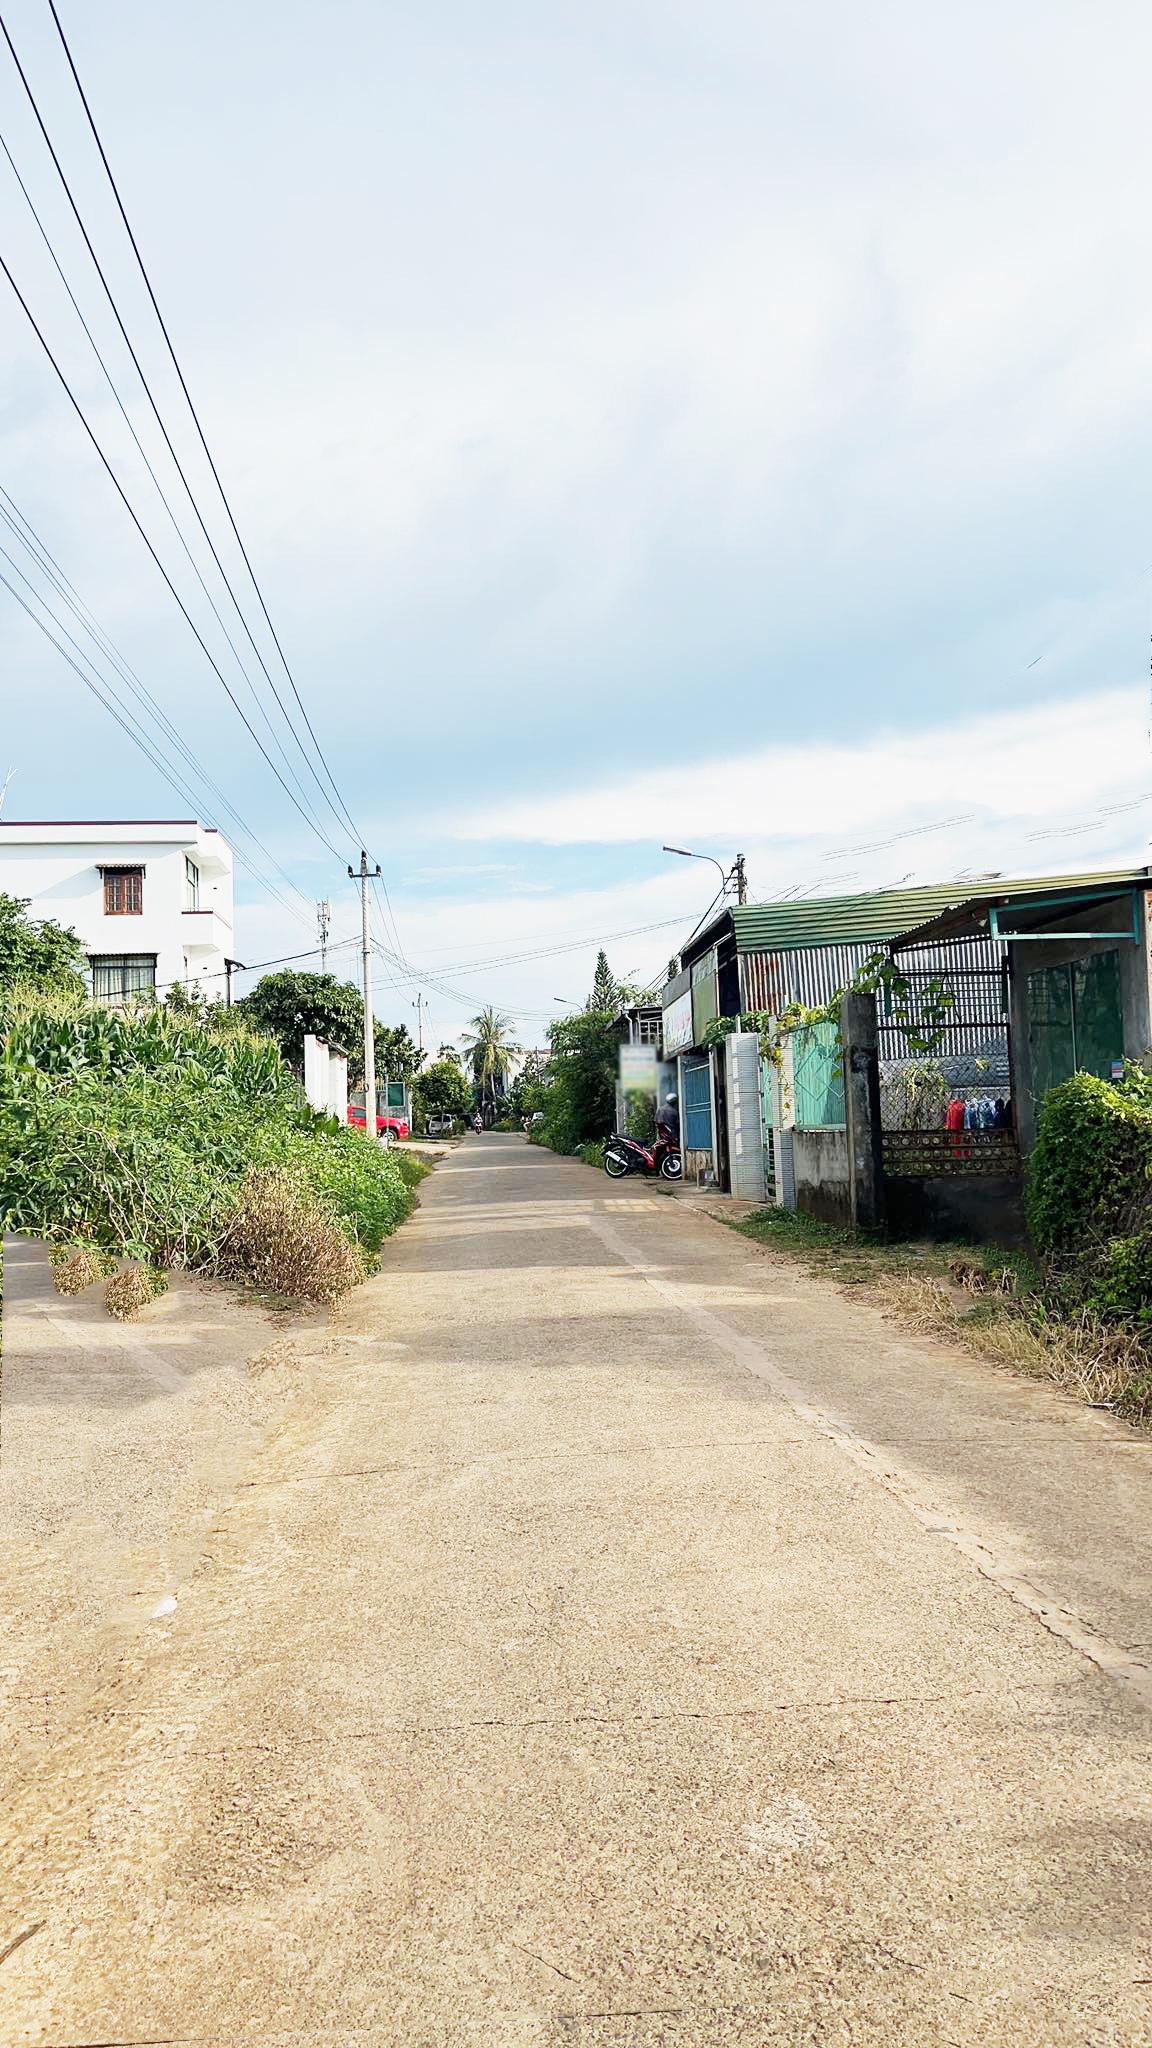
150	900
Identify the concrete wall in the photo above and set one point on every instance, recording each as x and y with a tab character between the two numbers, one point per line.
58	868
820	1167
1028	955
973	1208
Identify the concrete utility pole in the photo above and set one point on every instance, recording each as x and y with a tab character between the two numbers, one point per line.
324	926
741	880
364	877
418	1006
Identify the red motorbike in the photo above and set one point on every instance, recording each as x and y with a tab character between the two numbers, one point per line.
628	1155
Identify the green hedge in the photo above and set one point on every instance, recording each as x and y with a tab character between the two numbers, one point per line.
1090	1191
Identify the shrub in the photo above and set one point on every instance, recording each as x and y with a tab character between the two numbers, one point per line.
135	1133
592	1154
127	1293
279	1237
1089	1177
75	1274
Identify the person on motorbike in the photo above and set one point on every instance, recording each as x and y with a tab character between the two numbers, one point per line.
477	1123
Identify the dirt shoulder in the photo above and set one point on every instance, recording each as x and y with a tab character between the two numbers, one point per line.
120	1445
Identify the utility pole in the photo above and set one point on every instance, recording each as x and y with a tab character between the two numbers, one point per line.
418	1006
364	877
741	880
324	926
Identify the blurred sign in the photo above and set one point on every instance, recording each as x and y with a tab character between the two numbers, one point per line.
638	1069
678	1024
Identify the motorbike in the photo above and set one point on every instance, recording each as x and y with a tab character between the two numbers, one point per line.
624	1155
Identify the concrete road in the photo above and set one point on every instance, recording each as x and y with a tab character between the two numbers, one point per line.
625	1640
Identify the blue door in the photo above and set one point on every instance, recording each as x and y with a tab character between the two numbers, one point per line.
697	1106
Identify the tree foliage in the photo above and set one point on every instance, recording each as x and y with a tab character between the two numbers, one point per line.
288	1005
605	996
488	1048
38	950
443	1090
579	1101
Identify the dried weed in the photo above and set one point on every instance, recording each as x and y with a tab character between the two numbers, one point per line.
280	1240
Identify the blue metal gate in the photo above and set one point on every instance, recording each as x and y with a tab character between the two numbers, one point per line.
697	1120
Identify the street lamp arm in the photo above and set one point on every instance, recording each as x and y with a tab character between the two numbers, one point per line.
686	854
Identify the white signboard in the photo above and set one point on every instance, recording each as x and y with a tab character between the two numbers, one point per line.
638	1069
678	1024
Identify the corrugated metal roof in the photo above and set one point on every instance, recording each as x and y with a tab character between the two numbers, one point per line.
969	917
881	914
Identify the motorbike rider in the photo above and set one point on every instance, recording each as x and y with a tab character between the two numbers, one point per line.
477	1123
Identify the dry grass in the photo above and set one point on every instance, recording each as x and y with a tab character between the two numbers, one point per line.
1109	1364
126	1293
283	1242
82	1270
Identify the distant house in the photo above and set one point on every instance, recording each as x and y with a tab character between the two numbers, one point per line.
150	900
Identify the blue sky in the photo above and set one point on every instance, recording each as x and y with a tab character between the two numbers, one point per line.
646	422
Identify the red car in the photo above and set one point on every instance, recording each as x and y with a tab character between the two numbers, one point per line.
394	1124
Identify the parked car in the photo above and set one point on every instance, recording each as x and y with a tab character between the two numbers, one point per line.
441	1126
394	1125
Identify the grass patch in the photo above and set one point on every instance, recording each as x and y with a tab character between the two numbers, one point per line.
992	1303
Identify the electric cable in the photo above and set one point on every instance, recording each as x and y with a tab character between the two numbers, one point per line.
144	381
162	768
176	527
78	409
51	569
203	439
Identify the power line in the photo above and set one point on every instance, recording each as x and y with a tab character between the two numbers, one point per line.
78	409
125	415
207	451
155	408
116	712
51	569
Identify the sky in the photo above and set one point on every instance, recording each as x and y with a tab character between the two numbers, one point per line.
724	426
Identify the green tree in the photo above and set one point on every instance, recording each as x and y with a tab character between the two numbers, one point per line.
398	1058
489	1047
443	1090
288	1005
38	950
605	996
580	1098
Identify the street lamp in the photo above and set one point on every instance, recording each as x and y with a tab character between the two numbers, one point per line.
726	875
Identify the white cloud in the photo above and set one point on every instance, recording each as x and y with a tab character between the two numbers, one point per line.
1049	764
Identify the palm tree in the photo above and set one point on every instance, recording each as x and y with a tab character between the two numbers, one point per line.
489	1048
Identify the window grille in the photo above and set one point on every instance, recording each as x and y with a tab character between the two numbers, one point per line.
123	892
118	977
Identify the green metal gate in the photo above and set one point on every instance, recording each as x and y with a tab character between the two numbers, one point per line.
1075	1021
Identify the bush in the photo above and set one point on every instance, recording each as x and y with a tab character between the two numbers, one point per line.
592	1154
135	1133
281	1238
1090	1171
1090	1193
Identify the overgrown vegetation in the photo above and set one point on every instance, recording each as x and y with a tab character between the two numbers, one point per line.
1090	1193
138	1134
998	1305
577	1093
